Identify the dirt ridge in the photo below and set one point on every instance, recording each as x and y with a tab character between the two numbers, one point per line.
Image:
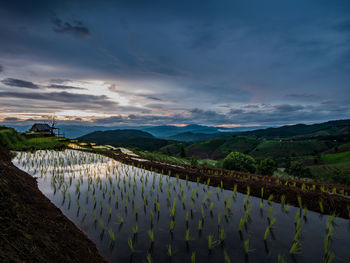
32	229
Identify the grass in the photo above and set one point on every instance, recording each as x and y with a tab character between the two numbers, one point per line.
336	158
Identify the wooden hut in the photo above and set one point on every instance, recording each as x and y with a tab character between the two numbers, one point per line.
42	128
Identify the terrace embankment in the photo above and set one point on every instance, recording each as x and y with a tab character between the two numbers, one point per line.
32	229
314	196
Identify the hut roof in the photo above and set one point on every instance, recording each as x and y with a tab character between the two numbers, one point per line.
42	127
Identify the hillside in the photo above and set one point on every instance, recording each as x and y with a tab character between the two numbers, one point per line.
126	138
336	127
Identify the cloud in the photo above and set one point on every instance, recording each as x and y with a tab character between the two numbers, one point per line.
63	87
1	69
19	83
75	28
66	97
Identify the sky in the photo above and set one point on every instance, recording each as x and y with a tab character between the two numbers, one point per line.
132	62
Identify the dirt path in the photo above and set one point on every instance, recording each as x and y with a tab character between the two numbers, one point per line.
32	229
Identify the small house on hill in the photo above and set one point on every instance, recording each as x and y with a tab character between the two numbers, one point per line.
42	128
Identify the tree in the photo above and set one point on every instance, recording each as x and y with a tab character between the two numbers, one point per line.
239	162
267	166
298	169
182	151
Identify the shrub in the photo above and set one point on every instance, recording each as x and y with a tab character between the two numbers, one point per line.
298	169
239	162
339	177
193	161
267	166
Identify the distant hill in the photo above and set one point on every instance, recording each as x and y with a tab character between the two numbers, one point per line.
196	137
302	130
287	141
126	138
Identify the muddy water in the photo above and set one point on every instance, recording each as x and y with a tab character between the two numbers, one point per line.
73	180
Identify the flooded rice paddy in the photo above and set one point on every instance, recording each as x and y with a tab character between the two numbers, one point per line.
135	215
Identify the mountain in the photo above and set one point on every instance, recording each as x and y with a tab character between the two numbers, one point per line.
166	131
126	138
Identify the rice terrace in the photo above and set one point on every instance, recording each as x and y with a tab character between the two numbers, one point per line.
174	131
136	214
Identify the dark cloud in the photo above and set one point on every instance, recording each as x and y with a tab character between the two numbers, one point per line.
63	87
19	83
1	69
60	81
11	119
64	96
288	107
235	60
343	26
75	28
154	98
301	96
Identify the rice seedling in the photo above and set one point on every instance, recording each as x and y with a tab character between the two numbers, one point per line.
111	234
187	235
321	206
226	257
102	224
210	242
283	200
222	235
193	257
169	251
270	198
246	246
149	258
219	219
305	212
151	235
131	246
270	211
281	259
300	202
200	225
120	219
267	231
135	229
295	248
241	223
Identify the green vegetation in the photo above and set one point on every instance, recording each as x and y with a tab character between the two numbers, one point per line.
11	139
267	166
299	170
239	162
